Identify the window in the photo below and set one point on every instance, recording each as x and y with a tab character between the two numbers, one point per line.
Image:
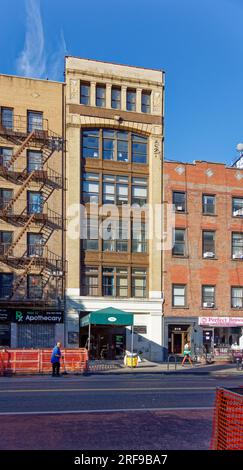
208	244
237	245
85	93
6	195
237	206
5	156
237	297
179	247
209	204
115	236
6	285
90	280
178	295
115	189
35	202
121	282
139	242
100	95
35	244
108	281
35	120
7	118
34	161
115	145
146	102
208	296
108	144
139	149
131	100
115	282
90	193
179	201
116	97
92	241
6	239
34	286
139	191
90	143
139	280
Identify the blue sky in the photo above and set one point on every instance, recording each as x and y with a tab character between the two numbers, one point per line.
199	44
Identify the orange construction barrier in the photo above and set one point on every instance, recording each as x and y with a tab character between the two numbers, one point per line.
228	420
34	361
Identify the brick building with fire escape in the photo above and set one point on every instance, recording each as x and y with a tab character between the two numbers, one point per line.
32	264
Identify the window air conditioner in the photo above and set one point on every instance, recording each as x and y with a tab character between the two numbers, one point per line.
208	304
179	208
208	254
238	256
238	212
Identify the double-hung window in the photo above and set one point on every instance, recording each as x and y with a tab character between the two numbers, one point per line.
178	295
237	297
237	245
131	99
208	296
146	101
116	97
179	247
100	95
139	240
85	93
7	118
237	206
208	244
139	191
6	285
34	121
90	188
90	143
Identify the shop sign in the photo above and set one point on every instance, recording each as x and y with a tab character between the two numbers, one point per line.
33	316
5	316
220	321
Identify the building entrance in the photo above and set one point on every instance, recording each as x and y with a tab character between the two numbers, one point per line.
178	336
106	342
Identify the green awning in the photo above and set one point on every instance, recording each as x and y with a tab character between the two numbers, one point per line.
107	316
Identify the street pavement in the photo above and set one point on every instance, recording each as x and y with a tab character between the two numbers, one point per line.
119	412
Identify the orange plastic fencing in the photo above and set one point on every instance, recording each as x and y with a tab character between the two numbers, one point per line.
228	420
34	361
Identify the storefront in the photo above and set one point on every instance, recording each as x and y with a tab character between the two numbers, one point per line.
35	328
5	328
220	333
178	331
103	333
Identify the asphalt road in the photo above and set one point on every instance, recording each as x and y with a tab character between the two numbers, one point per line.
109	412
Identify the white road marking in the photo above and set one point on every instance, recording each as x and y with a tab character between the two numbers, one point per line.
118	410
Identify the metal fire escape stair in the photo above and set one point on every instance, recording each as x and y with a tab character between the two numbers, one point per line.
19	151
23	231
18	194
19	281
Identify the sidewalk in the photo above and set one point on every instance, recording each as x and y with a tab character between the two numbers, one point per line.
147	367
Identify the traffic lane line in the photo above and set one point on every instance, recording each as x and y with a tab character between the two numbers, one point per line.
118	410
122	389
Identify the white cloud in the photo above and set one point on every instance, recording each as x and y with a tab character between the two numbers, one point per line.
34	61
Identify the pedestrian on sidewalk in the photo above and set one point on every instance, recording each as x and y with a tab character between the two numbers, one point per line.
55	360
187	353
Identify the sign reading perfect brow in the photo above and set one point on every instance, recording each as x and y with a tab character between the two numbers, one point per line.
35	316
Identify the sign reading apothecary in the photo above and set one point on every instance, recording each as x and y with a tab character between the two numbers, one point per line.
33	316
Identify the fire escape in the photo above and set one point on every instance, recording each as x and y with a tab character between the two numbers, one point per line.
21	213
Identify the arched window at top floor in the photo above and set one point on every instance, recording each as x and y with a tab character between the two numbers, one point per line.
114	145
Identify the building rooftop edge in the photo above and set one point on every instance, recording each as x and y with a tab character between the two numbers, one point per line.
31	78
202	161
114	63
